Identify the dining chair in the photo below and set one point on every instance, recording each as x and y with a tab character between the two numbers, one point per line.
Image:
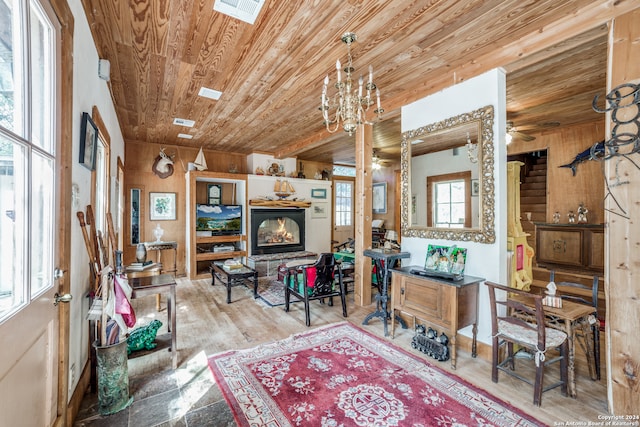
585	295
519	319
317	281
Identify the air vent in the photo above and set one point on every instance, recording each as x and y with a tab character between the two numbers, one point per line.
185	136
210	93
244	10
184	122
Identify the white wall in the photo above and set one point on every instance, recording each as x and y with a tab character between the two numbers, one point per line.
317	230
88	90
488	261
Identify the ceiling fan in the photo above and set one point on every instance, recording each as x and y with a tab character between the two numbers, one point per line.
513	132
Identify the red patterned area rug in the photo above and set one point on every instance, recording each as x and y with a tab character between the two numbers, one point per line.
340	375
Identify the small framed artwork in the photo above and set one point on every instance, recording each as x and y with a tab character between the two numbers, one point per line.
475	187
214	192
88	142
380	198
319	193
319	210
162	206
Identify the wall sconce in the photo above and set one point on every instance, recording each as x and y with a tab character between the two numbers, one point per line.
472	150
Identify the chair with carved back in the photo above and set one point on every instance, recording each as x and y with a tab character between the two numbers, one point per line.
320	280
518	318
584	294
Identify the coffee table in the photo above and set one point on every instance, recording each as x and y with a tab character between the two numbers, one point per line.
234	276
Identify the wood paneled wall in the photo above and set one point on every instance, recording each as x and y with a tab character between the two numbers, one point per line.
565	191
139	158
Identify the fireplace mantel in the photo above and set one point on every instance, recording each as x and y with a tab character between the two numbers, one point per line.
281	203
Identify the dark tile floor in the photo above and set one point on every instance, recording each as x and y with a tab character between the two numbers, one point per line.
185	397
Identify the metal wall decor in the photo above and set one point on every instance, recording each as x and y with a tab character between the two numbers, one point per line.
623	102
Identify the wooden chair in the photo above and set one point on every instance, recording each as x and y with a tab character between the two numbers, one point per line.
508	326
320	280
585	295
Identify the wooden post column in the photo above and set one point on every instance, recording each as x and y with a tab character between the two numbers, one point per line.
363	214
622	235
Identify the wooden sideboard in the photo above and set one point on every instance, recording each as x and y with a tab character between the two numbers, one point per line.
572	246
443	304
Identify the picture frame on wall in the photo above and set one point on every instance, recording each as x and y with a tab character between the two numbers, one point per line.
319	193
214	193
162	206
380	198
319	210
88	142
475	187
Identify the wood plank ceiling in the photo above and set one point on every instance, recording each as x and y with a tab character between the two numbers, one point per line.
162	52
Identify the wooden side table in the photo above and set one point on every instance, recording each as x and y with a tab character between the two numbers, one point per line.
153	285
154	270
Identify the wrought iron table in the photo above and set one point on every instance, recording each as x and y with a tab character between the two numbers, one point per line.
384	260
233	276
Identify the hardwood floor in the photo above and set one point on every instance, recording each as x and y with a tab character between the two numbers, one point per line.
207	325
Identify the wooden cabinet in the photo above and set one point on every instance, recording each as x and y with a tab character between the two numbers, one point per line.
570	246
445	305
202	250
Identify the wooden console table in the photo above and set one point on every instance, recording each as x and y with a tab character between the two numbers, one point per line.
444	304
152	285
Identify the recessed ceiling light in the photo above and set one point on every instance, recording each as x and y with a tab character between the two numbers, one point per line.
185	136
184	122
244	10
210	93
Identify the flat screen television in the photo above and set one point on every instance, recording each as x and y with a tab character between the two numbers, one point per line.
220	220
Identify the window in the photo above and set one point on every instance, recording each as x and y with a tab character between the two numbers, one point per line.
449	200
344	203
27	153
450	204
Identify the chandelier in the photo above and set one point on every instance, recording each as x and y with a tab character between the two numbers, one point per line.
350	103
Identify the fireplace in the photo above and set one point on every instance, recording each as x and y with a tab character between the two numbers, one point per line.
277	230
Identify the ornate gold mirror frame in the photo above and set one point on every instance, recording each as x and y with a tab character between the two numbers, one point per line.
485	233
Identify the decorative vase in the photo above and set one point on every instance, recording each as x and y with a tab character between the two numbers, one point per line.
141	252
158	232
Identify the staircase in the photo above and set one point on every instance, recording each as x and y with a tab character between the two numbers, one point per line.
533	196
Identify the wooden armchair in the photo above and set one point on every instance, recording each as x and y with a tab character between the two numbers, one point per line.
320	280
509	328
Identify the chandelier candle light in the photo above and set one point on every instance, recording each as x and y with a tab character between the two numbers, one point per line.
349	103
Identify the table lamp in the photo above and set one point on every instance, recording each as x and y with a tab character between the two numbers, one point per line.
390	237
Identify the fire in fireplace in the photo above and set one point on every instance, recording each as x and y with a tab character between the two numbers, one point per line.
277	230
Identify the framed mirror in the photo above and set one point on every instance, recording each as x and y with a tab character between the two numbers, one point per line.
136	218
447	179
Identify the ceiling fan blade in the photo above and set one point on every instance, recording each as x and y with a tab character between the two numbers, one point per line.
522	136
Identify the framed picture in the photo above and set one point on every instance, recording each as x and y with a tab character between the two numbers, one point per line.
380	198
319	210
475	187
88	142
214	192
319	193
162	206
